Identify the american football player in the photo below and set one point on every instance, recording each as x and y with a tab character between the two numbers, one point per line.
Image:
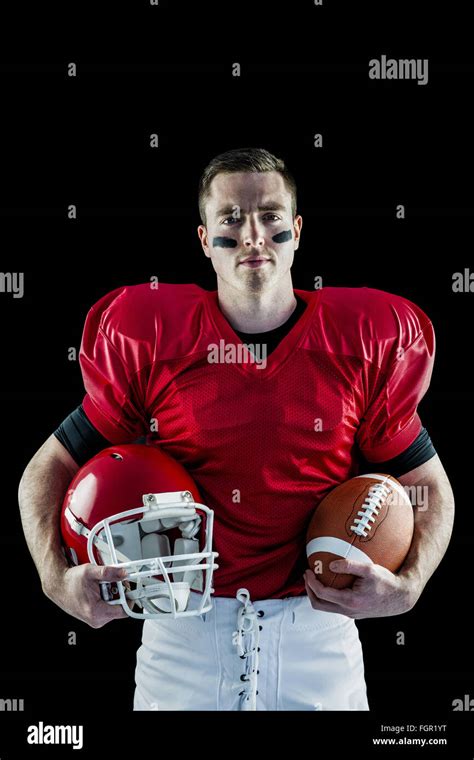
269	396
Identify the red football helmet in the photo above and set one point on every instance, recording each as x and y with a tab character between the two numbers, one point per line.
123	508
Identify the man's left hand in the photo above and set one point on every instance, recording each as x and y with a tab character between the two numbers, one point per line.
376	592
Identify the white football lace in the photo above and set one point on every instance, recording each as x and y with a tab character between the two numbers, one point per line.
247	626
370	509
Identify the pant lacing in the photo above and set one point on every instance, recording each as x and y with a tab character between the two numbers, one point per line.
246	638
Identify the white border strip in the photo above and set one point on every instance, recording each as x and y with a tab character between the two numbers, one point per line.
337	546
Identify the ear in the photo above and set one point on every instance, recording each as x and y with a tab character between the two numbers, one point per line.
297	225
203	237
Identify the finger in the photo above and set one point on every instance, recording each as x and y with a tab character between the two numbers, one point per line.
342	596
107	573
351	567
109	611
319	604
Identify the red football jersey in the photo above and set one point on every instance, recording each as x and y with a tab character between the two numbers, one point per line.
264	443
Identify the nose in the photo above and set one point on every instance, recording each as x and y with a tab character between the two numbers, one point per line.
253	236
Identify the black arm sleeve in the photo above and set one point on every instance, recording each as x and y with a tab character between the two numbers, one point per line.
79	436
416	454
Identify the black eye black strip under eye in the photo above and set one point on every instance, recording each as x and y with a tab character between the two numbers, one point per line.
224	242
282	237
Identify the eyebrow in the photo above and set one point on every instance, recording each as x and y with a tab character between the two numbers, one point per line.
270	206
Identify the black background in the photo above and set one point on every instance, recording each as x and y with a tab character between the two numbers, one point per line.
85	141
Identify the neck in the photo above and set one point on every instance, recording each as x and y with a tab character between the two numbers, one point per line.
251	312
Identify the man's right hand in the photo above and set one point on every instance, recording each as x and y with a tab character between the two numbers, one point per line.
77	592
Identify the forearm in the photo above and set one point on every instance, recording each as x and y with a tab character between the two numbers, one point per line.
433	528
41	493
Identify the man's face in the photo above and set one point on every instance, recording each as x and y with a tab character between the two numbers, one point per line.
250	235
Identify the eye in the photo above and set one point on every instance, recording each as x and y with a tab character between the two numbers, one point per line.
230	219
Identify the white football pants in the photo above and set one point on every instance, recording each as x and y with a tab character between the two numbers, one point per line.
276	654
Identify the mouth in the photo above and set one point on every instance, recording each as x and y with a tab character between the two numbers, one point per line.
254	262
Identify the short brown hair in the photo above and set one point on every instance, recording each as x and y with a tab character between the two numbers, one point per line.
243	160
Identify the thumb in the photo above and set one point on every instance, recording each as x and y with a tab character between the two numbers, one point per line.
350	566
110	573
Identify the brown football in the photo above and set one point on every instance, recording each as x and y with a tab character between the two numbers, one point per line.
368	518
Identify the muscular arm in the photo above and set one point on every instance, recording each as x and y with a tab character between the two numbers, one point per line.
433	500
41	493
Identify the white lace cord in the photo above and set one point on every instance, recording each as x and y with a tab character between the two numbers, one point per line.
248	627
370	509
